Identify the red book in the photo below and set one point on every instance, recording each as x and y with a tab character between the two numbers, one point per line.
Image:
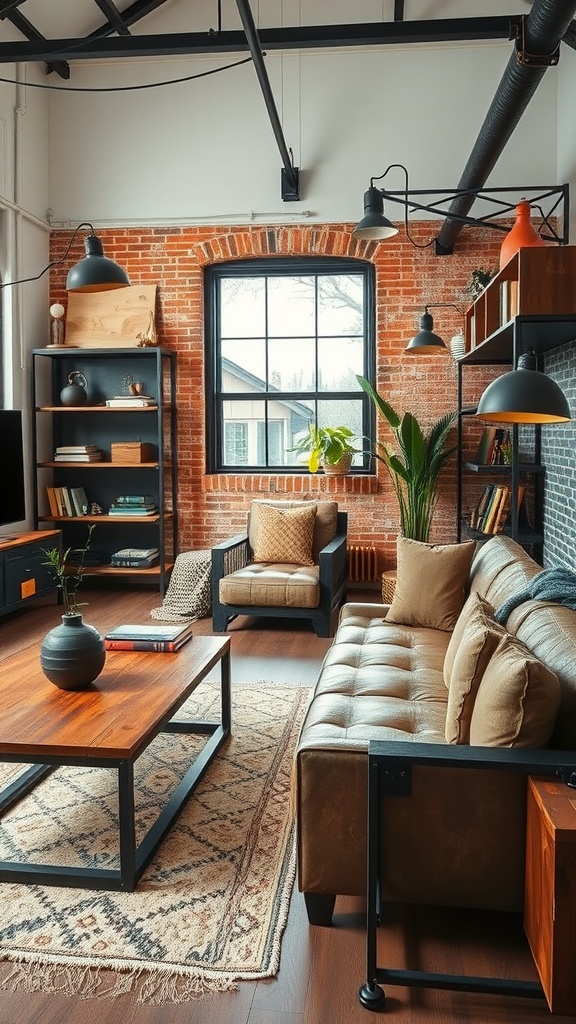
145	645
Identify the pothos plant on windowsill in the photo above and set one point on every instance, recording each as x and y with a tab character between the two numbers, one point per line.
72	655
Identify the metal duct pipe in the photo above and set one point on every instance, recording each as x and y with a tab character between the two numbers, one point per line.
542	31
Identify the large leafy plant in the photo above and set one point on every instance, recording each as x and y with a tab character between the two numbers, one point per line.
414	469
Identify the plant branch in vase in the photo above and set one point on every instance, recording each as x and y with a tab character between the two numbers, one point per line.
72	654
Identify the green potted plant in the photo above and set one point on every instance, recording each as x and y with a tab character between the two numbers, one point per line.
415	468
72	654
327	448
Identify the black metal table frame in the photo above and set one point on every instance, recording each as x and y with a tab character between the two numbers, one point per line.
390	774
133	858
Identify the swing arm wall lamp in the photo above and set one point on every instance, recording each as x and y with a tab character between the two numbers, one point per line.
95	272
375	226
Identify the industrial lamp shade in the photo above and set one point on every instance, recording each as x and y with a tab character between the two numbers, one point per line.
426	340
521	235
524	396
95	272
374	225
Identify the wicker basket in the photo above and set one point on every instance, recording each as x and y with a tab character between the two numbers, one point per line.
388	585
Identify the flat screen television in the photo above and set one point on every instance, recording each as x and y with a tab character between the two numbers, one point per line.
12	495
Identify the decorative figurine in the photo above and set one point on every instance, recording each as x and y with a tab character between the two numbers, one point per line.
57	311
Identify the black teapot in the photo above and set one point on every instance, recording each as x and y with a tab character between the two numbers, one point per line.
75	391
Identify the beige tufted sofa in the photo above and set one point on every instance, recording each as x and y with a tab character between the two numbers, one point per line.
459	839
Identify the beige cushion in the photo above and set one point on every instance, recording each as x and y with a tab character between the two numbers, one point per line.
517	700
431	585
324	524
475	638
285	535
272	586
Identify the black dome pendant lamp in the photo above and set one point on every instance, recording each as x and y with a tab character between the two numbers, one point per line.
524	395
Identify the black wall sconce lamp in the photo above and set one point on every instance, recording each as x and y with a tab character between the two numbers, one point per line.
93	273
426	341
375	226
524	395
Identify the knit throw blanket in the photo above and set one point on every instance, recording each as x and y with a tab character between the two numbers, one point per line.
557	585
188	596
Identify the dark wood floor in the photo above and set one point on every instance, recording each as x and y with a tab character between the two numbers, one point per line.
321	969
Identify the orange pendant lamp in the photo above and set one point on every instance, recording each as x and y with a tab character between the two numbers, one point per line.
521	235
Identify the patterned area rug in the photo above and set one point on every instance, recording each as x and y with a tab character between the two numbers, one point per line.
212	905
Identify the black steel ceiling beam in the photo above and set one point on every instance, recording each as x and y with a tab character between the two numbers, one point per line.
9	12
536	48
113	17
302	37
290	177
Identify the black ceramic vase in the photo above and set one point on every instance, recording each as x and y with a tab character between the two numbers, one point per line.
72	655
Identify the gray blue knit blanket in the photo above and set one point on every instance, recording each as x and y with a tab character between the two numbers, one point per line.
558	585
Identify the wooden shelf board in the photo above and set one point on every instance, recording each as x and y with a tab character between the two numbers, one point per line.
137	520
100	465
98	408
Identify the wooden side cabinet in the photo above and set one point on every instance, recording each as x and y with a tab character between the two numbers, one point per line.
23	572
550	896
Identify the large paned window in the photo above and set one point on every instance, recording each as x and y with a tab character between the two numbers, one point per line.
285	340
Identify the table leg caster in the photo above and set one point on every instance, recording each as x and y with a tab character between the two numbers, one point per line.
372	997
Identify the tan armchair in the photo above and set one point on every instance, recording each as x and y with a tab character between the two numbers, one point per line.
290	563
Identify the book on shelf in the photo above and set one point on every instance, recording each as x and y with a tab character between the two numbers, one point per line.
130	402
132	512
134	499
135	553
78	453
134	562
493	509
80	501
480	508
148	638
485	446
51	495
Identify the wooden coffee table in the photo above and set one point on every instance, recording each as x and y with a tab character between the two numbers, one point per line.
107	726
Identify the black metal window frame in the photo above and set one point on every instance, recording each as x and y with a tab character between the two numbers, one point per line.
215	396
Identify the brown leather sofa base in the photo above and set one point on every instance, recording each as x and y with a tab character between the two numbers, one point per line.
459	839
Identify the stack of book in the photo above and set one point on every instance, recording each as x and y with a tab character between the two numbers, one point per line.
135	558
78	453
493	508
130	401
67	501
148	638
133	505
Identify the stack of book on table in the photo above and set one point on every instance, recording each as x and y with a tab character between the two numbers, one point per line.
135	558
148	638
78	453
133	505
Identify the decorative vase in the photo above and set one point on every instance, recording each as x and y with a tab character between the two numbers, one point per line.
338	468
72	655
75	391
521	235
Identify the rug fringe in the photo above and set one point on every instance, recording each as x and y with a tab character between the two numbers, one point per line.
83	981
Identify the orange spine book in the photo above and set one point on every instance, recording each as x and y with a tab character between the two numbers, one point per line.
141	645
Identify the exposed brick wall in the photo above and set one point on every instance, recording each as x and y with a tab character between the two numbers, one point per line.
211	508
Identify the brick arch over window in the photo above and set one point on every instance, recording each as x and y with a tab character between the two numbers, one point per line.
313	240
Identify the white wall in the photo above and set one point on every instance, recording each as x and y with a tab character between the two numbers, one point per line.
204	150
567	128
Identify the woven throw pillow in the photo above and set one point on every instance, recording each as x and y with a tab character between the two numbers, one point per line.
517	700
285	535
475	638
431	584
